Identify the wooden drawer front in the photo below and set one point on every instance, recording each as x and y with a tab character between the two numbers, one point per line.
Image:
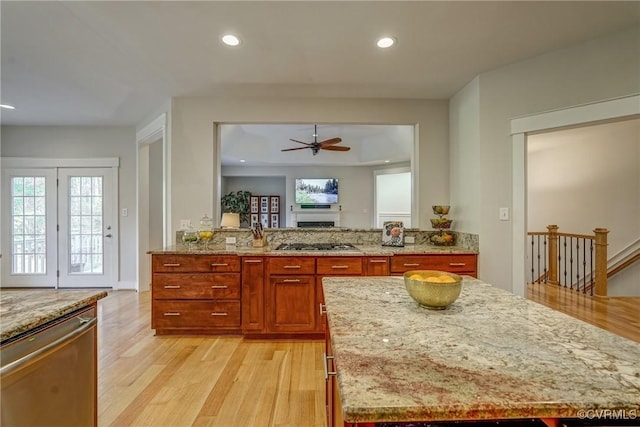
339	265
402	263
455	263
196	314
195	263
292	265
196	286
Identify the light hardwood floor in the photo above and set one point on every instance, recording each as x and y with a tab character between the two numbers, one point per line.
147	380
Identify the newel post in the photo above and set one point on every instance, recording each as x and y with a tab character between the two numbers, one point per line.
601	261
553	254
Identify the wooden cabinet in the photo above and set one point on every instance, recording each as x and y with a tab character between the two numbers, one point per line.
195	294
333	266
465	264
291	299
253	270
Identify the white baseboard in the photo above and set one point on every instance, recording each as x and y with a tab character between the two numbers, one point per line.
131	286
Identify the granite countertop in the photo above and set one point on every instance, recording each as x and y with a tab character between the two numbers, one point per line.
24	310
490	355
363	250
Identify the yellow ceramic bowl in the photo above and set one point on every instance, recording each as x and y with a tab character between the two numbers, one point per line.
433	289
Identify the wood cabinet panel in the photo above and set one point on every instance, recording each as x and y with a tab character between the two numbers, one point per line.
291	304
196	286
196	314
253	270
292	265
376	266
334	266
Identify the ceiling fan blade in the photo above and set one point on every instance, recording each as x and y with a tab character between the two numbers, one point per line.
330	141
336	148
297	148
295	140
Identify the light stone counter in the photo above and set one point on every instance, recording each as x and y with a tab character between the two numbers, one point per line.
24	310
490	355
362	250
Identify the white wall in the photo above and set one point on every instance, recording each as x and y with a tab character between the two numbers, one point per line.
193	158
87	142
585	178
599	69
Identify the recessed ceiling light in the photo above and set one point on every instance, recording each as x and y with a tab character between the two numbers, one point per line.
7	106
242	160
230	40
386	42
387	161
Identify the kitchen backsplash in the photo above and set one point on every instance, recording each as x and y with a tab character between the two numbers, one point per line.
354	236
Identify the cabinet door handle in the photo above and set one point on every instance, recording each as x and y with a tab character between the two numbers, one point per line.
291	280
224	264
377	261
253	261
291	266
326	366
219	287
171	265
171	313
216	313
411	264
323	309
339	266
172	286
457	264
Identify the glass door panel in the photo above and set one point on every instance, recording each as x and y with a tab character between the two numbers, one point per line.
30	246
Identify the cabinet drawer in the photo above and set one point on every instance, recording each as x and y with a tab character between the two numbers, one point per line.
376	266
340	266
455	263
196	286
292	265
195	263
196	314
402	263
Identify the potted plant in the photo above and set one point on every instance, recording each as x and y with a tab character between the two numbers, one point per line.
237	202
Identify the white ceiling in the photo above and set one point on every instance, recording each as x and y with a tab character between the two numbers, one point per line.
115	62
261	144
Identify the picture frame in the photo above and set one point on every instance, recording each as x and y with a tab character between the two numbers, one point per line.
392	233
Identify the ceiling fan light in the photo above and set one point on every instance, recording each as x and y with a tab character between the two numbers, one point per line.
230	40
386	42
7	107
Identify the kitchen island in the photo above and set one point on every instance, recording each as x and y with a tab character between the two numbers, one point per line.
489	356
49	367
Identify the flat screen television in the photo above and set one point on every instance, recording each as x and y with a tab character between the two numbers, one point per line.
316	191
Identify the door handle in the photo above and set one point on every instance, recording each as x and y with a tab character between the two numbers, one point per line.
107	235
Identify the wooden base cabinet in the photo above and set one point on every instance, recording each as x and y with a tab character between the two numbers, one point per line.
253	290
290	302
195	294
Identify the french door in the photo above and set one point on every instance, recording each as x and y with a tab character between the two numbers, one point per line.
58	228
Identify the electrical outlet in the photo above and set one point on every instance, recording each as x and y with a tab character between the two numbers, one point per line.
409	239
125	212
504	214
185	223
230	240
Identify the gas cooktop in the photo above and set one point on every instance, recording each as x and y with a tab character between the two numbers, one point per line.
316	247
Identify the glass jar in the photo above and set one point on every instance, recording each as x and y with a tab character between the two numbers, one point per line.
205	231
190	237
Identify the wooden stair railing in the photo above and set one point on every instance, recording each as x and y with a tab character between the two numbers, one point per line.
555	262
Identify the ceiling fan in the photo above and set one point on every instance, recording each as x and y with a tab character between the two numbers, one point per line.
315	146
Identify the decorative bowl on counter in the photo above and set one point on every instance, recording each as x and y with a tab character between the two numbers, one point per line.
441	223
433	289
440	209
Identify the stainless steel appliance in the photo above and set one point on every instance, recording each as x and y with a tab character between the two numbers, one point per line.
316	247
49	376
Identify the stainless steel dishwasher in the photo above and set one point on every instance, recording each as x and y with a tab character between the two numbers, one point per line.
49	376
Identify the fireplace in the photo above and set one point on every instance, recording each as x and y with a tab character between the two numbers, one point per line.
316	224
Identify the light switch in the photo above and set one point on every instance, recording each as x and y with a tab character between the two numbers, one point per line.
125	212
504	214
